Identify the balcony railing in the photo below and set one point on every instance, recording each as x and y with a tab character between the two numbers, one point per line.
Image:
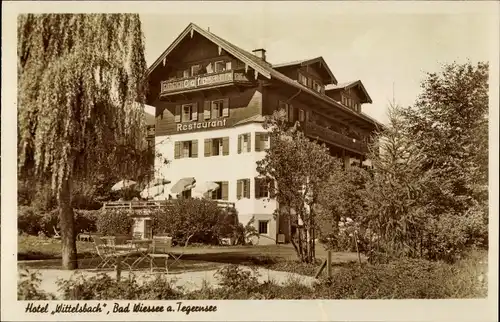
153	204
318	132
179	85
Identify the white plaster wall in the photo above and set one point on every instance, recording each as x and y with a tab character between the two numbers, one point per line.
229	168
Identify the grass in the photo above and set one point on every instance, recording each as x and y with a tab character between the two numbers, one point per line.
196	257
40	248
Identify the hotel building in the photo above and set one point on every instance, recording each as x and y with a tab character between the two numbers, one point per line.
211	98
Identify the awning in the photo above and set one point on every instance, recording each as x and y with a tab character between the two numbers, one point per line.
206	186
123	184
153	191
183	185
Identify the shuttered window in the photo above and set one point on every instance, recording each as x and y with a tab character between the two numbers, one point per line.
186	112
261	141
244	143
217	146
302	115
186	149
243	188
217	107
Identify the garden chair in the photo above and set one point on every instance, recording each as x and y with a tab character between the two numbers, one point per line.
56	233
177	255
109	254
160	249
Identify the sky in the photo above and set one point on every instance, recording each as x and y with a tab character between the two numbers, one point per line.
389	52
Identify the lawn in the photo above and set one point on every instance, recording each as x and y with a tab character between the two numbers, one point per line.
196	257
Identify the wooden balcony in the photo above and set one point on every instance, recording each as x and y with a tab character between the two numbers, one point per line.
136	205
320	133
183	85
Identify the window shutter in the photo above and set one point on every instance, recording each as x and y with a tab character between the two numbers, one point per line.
225	110
240	138
194	112
249	144
194	148
225	145
207	110
247	188
272	189
238	189
257	188
177	113
228	65
224	190
263	139
257	142
177	150
309	82
208	147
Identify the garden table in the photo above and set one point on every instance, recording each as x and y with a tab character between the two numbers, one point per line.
142	247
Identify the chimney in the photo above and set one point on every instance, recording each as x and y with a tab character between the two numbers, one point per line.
261	53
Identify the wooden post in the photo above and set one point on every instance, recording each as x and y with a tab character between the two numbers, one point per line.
118	268
320	269
357	248
329	264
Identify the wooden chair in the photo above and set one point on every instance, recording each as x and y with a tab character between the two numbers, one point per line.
108	253
56	233
160	249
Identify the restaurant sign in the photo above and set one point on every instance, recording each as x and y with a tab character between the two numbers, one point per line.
197	81
201	125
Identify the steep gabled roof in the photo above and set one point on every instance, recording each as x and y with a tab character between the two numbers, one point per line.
351	84
262	67
251	60
306	62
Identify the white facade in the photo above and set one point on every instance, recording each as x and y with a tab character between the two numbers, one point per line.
230	168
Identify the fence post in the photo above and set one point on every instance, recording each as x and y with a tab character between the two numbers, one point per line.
118	268
329	264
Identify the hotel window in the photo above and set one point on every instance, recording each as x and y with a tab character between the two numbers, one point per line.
302	115
218	194
195	70
185	73
261	188
186	194
217	146
243	189
263	227
244	143
220	66
217	107
317	87
228	65
186	149
261	141
302	79
186	112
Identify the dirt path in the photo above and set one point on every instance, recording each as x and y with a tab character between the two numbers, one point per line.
189	281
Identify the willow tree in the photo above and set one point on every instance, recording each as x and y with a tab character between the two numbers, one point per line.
80	102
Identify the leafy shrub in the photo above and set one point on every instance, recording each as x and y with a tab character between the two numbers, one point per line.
104	287
401	279
200	220
28	221
28	287
114	222
235	278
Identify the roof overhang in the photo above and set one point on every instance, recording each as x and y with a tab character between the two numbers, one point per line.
356	84
222	44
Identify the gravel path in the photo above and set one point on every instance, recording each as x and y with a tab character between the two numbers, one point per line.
189	281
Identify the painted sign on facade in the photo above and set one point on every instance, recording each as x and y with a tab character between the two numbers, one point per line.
201	125
197	81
